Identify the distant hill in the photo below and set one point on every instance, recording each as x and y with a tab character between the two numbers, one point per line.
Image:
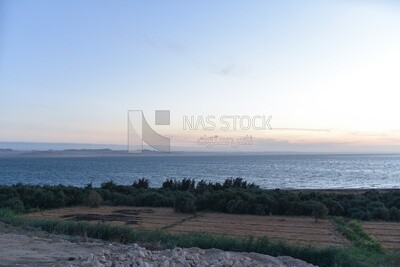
6	150
42	146
72	153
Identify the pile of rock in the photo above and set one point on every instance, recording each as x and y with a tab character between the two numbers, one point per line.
138	256
20	247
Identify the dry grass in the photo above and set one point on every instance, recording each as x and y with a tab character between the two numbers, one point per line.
387	233
298	230
144	218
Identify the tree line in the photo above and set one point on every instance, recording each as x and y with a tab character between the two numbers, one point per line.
234	195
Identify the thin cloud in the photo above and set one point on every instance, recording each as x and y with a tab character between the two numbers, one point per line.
162	45
228	70
231	69
302	129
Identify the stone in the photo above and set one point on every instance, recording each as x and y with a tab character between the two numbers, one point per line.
121	257
86	264
102	259
142	254
237	264
164	263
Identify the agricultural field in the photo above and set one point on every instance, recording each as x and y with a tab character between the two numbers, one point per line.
387	233
296	230
142	218
299	230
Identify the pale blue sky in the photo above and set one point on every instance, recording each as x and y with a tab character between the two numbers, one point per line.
69	70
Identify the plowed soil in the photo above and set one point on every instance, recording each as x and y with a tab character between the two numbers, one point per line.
298	230
387	233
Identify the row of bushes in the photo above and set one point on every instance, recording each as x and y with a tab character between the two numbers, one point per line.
232	196
354	231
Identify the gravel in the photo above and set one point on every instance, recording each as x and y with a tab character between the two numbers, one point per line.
29	248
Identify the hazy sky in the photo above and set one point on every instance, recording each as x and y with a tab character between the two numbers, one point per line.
326	71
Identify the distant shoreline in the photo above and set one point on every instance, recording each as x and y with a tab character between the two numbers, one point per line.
124	153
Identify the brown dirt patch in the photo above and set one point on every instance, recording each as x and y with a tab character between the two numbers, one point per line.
145	218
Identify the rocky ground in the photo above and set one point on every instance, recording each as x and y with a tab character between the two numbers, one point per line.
20	247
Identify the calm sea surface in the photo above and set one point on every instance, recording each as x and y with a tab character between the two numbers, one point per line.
268	171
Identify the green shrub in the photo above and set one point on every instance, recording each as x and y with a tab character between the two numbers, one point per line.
394	214
334	207
359	215
184	185
93	199
235	206
237	183
355	232
14	204
184	203
320	211
380	213
203	201
141	183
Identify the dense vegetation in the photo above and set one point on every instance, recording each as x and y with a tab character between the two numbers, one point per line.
232	196
351	256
